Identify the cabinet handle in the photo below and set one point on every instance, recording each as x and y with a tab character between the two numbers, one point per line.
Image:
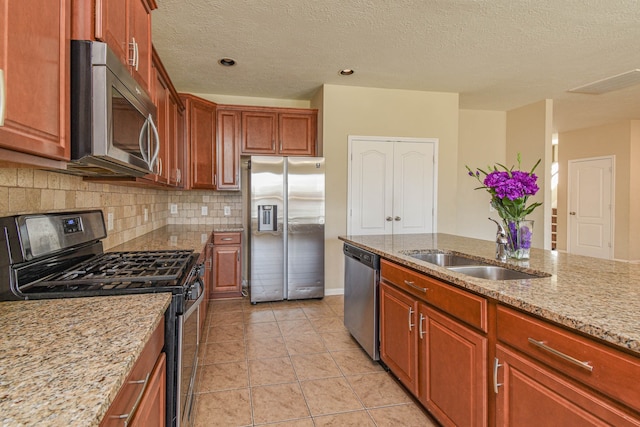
127	417
389	218
178	175
496	365
135	60
414	286
411	325
227	238
543	346
420	328
137	55
3	98
397	218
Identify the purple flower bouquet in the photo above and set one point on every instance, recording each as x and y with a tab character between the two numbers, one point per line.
510	189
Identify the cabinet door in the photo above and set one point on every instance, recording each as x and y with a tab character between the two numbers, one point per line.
398	335
153	405
112	27
161	99
202	122
207	259
34	71
228	150
297	134
452	366
259	132
140	36
227	280
529	394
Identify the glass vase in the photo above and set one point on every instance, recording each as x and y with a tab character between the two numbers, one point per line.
519	235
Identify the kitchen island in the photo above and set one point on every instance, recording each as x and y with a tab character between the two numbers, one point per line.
559	348
62	361
599	298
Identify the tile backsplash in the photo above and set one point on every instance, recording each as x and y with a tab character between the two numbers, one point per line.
24	190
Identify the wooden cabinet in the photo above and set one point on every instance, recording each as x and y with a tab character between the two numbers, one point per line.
172	154
34	76
141	401
201	136
545	373
276	131
227	265
125	25
206	259
441	360
228	150
452	366
398	335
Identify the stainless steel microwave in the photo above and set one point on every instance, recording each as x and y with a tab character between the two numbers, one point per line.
113	120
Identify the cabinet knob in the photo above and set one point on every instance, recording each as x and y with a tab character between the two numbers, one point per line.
572	213
389	218
397	218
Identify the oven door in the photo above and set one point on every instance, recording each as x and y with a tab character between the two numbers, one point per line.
188	345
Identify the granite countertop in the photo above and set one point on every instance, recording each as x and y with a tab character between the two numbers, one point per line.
176	237
597	297
63	361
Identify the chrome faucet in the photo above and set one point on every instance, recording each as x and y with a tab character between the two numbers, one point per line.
501	242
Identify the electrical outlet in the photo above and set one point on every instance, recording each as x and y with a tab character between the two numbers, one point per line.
227	211
173	208
203	238
146	214
205	211
110	221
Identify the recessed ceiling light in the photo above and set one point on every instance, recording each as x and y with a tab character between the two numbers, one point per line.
346	72
227	62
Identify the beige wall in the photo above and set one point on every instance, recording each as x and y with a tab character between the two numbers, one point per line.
482	142
634	192
26	190
249	100
607	140
529	132
349	110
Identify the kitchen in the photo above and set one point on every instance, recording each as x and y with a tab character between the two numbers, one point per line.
462	133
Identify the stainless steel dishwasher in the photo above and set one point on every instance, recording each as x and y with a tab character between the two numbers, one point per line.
361	277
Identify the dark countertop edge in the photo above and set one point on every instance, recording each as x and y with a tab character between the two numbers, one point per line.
619	341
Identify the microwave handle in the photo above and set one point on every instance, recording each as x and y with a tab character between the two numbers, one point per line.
156	150
146	151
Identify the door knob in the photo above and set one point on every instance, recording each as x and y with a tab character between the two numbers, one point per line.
389	218
572	213
397	218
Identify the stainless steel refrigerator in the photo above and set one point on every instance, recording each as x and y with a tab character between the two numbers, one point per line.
286	228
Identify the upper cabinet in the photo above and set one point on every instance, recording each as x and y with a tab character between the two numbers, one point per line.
201	136
277	131
125	25
34	81
228	150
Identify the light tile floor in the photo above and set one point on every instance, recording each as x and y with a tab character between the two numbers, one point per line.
293	363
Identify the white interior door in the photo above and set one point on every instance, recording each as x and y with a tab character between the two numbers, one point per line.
590	205
392	186
413	187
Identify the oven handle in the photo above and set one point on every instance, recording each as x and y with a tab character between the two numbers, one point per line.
197	302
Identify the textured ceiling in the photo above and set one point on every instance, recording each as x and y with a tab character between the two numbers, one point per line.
497	54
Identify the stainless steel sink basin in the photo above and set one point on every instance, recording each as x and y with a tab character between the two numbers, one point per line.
445	260
493	272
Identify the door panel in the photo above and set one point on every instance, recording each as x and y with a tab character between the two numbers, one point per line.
590	199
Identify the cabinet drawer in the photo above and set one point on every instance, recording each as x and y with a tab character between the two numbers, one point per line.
134	385
469	308
607	370
226	238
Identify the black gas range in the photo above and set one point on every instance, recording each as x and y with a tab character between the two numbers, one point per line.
60	255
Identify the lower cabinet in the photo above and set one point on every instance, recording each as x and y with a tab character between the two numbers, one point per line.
452	369
439	359
141	401
227	265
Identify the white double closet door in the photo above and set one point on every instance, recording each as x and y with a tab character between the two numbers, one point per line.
392	186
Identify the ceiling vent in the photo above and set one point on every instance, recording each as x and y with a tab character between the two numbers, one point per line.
620	81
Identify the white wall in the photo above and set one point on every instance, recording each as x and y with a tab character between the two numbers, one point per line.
482	142
349	110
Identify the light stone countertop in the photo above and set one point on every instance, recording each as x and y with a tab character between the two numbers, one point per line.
597	297
176	237
63	361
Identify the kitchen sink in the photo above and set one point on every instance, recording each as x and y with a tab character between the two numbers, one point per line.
445	260
493	272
